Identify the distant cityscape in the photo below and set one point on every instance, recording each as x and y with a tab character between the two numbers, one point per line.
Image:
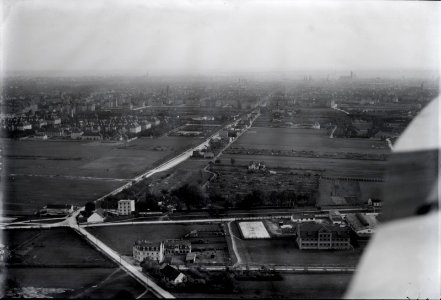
164	187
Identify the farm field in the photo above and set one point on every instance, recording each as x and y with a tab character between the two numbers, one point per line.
25	195
323	166
36	247
76	172
306	139
77	269
285	251
93	159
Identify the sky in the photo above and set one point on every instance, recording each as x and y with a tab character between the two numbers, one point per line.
218	36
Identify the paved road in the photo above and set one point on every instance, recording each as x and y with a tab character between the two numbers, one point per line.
283	268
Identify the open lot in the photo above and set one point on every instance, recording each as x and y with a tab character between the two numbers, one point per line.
306	139
253	230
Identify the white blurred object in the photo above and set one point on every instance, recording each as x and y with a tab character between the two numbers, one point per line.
402	261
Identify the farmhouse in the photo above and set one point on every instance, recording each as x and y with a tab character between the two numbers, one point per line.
197	154
126	207
143	249
362	224
175	246
96	217
172	274
322	237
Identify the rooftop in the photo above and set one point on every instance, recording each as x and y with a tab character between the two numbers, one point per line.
361	221
311	230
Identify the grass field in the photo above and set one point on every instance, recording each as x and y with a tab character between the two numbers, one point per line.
108	160
77	172
36	247
306	139
25	195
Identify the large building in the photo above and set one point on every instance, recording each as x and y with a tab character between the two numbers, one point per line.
152	250
322	237
126	207
175	246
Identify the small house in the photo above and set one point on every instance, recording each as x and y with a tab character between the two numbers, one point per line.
173	275
96	217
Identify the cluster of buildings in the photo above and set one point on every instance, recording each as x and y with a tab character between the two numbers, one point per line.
319	236
336	231
84	127
255	166
158	251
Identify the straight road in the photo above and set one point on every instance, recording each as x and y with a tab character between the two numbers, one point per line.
131	269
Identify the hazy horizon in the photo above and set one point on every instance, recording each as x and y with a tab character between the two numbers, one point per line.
206	37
